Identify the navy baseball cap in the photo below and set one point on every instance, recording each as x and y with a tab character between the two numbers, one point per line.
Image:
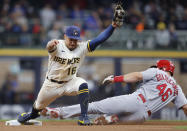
73	32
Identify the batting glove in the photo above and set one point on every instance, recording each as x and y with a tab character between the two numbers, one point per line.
108	80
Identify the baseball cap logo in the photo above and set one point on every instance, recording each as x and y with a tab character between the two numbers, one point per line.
75	33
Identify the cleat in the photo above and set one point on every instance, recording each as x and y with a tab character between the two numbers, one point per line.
51	112
44	112
24	117
84	121
105	120
100	121
114	119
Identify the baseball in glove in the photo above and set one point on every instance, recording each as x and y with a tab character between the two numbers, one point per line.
119	14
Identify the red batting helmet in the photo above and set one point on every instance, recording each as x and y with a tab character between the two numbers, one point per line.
166	65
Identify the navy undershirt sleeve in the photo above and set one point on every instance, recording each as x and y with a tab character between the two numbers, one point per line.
100	38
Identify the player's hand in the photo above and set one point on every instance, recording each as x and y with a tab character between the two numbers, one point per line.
119	14
52	44
108	80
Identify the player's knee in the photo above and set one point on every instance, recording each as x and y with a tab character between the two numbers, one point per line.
39	105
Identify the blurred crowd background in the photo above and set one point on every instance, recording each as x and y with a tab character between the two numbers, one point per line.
29	24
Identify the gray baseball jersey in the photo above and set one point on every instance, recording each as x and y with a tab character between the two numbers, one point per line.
159	89
156	90
62	66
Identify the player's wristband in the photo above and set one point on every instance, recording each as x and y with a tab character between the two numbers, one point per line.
119	78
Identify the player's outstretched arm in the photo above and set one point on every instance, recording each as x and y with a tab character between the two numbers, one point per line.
51	45
128	78
133	77
100	38
103	36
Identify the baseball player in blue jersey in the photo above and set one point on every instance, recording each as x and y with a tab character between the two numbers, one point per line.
65	58
157	89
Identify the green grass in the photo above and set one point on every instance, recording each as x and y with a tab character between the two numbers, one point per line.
181	127
169	120
2	120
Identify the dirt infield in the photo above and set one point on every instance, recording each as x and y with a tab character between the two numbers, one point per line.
72	126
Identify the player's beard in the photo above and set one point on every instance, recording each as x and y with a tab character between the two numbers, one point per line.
72	47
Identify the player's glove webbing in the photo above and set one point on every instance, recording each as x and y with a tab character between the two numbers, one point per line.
119	14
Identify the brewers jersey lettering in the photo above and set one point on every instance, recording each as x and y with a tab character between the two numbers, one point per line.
62	68
63	63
